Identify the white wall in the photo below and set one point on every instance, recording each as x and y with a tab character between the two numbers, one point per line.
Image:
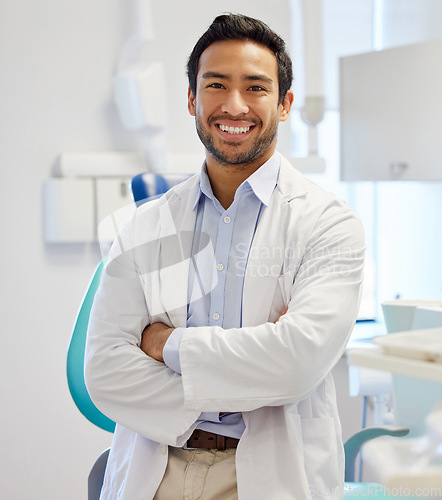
56	59
56	63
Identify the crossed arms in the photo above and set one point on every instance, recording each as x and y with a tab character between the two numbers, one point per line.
155	336
238	369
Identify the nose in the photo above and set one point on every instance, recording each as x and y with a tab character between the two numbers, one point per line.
234	104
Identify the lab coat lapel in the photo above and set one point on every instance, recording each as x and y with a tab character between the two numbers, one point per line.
177	223
270	246
263	266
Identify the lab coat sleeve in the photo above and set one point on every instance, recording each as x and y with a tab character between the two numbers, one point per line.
273	364
128	386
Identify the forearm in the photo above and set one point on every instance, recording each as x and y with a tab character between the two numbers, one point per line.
129	387
161	342
267	365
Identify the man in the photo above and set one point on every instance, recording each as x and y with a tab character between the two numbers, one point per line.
227	302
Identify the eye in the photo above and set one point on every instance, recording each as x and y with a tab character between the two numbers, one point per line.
215	86
257	88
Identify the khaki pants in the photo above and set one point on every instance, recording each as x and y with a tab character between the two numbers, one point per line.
199	475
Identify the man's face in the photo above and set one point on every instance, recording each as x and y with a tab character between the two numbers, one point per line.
236	103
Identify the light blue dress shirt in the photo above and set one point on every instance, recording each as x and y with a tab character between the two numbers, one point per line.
216	278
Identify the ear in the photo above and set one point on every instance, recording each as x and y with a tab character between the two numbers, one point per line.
191	102
286	106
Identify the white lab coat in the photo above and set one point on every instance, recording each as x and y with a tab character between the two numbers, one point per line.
307	252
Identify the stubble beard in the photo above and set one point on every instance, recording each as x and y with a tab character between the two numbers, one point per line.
240	158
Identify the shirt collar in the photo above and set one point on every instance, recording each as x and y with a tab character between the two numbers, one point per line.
262	181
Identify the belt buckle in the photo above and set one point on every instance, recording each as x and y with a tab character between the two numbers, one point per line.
186	447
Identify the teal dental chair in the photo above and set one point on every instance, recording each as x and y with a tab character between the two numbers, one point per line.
75	359
142	190
77	386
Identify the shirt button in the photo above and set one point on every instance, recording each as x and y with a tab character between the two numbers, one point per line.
226	219
220	267
215	316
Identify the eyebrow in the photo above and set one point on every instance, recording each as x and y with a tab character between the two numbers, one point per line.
214	74
251	78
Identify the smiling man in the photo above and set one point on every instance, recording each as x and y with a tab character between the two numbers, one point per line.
237	105
226	303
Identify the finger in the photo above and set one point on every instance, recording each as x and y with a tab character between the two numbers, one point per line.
286	308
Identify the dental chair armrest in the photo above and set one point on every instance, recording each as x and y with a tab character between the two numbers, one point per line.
353	445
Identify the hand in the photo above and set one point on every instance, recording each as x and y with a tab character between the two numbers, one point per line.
282	313
153	340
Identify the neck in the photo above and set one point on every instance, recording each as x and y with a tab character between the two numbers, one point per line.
225	179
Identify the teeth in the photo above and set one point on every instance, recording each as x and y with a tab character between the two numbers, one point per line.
234	130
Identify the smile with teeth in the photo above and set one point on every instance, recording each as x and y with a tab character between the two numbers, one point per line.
234	130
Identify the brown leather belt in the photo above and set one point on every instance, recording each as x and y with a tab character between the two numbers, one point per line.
210	441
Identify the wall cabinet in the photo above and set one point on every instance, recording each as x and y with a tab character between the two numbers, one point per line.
391	114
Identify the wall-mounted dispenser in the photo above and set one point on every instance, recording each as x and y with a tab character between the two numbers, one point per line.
85	189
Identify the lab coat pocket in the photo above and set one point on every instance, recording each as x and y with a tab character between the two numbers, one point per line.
320	457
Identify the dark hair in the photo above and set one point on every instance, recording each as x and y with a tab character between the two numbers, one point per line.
239	27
